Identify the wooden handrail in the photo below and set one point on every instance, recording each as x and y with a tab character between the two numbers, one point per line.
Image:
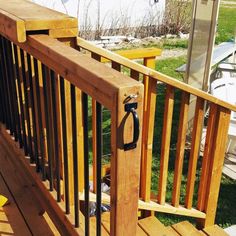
152	73
103	83
137	53
207	201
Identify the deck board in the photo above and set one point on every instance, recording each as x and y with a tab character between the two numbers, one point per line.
11	220
21	16
22	198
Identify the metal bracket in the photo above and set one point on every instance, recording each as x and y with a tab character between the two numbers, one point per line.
131	108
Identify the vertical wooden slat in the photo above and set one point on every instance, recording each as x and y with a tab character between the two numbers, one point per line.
69	141
194	154
149	107
218	148
147	139
125	166
75	156
71	42
65	170
165	146
56	131
94	144
134	74
183	122
94	132
80	139
207	156
116	66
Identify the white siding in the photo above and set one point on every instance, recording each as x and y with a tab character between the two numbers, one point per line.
112	12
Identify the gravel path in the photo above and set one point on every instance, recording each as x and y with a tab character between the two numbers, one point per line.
167	53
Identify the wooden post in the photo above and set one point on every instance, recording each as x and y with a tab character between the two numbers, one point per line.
217	154
125	165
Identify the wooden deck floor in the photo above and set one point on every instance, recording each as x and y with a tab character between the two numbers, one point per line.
23	215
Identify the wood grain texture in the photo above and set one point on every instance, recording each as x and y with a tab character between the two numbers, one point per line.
194	153
214	230
150	72
153	227
11	220
37	17
185	229
11	26
218	148
103	82
45	199
125	165
94	132
147	139
165	146
183	122
207	157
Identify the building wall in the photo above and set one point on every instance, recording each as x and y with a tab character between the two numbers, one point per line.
109	13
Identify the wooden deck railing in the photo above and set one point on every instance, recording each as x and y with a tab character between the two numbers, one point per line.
45	87
208	168
50	92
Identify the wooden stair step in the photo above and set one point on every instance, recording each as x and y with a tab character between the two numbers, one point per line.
214	230
186	229
153	227
170	229
106	226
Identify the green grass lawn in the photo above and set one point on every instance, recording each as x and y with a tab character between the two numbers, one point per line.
168	66
226	24
226	215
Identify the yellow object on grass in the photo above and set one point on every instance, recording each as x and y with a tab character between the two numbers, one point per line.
3	200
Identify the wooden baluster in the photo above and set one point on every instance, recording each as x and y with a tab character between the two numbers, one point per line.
134	74
194	154
80	139
183	123
165	147
206	156
116	66
217	148
147	139
149	108
94	131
